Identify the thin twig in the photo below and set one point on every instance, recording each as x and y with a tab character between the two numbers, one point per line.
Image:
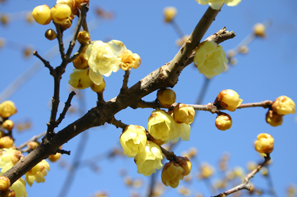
66	107
60	41
33	139
118	123
125	81
46	63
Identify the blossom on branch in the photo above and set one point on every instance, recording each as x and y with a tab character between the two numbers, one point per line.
210	59
217	4
19	187
228	99
8	158
284	105
37	173
172	173
264	143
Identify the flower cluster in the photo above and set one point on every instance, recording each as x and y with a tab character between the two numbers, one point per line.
210	59
37	173
283	105
97	59
217	4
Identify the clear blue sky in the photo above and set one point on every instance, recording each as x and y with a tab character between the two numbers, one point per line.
266	72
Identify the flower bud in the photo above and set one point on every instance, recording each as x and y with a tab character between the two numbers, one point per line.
283	105
50	34
4	183
273	118
8	193
81	61
8	125
185	163
2	134
169	14
259	30
206	171
228	99
182	113
4	19
160	125
223	121
83	37
66	24
192	152
98	88
42	14
32	145
166	97
133	140
80	79
55	157
129	60
264	143
6	142
60	13
7	108
171	174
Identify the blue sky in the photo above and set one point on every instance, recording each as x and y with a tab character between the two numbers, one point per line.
266	72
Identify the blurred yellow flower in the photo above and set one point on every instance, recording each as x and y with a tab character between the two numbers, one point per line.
217	4
169	14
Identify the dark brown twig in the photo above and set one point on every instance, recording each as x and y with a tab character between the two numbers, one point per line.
66	107
46	63
125	81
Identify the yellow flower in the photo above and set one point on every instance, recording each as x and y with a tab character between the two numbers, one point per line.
172	173
19	187
182	113
210	59
37	173
149	160
259	30
160	125
283	105
166	97
8	158
181	130
129	60
98	88
223	121
264	143
7	109
217	4
133	140
169	14
81	61
4	183
273	118
55	157
42	14
229	99
80	79
206	171
185	163
61	13
6	142
83	37
104	58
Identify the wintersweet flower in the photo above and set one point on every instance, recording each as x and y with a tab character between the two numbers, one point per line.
42	14
182	113
166	97
104	58
6	142
217	4
223	121
37	173
7	109
172	173
133	140
264	143
160	125
129	60
61	13
80	79
149	160
228	99
98	88
4	183
210	59
19	187
185	163
169	14
8	158
273	118
181	130
283	105
206	171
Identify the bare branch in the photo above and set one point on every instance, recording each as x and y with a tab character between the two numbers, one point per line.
46	63
66	107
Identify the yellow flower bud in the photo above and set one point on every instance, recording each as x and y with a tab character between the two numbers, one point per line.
166	97
283	105
206	171
27	51
6	142
273	118
192	152
55	157
81	61
149	160
160	125
7	108
129	60
229	99
4	183
259	30
67	2
32	145
50	34
171	174
182	113
169	14
42	14
37	173
4	19
210	59
264	143
223	121
60	13
19	187
98	88
239	172
185	163
264	171
217	4
66	24
133	140
8	125
83	37
251	166
80	79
